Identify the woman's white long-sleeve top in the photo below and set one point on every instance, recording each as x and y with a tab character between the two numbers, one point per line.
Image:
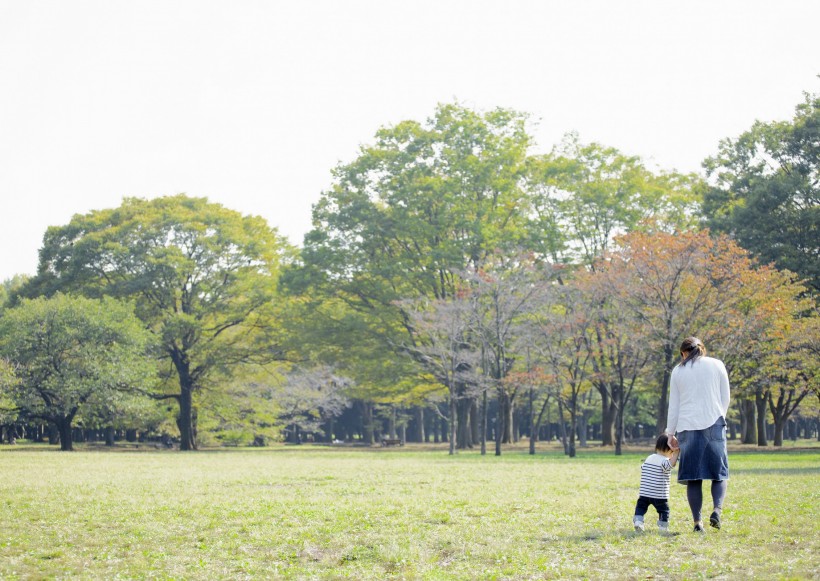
698	395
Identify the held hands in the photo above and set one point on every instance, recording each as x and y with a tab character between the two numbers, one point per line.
673	443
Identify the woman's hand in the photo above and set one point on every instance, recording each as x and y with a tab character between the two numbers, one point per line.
673	442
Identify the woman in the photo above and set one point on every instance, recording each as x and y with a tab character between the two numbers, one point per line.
696	422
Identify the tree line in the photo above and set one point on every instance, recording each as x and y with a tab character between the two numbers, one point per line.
455	285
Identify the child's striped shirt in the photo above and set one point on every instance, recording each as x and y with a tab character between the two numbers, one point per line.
655	472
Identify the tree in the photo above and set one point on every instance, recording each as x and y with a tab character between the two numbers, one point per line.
677	285
203	279
70	353
310	397
9	290
422	204
790	370
443	345
564	327
766	191
620	357
8	410
759	338
508	290
584	195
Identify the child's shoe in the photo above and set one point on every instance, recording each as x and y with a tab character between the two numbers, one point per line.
663	527
638	522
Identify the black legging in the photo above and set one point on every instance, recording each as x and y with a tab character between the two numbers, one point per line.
694	494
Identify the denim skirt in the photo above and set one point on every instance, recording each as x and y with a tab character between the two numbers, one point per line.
703	453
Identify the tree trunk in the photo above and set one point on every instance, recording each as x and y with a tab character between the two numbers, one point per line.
475	421
532	423
780	416
329	426
509	410
464	433
53	434
663	404
750	431
484	423
185	418
787	402
619	423
562	426
109	436
453	424
760	402
367	423
66	434
420	436
583	428
391	423
778	433
608	413
500	420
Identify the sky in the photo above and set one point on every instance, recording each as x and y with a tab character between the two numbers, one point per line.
253	103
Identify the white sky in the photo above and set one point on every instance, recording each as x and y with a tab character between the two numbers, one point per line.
252	103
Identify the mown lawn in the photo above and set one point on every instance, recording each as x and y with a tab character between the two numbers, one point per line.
409	513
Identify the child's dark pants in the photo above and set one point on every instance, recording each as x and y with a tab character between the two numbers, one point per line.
660	504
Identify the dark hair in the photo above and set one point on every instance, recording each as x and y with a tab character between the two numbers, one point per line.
691	349
662	443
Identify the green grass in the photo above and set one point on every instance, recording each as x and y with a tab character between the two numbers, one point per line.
411	513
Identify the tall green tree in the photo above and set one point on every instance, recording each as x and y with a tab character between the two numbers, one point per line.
583	195
767	191
9	289
203	279
423	203
69	353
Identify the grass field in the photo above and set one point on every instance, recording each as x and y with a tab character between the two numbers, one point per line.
409	513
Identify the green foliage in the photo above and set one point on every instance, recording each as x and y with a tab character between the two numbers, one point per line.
8	409
9	290
69	353
767	191
202	277
583	195
423	203
243	411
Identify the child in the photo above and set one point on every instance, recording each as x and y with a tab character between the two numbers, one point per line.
655	473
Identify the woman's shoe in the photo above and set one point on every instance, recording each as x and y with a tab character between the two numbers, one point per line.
714	520
699	528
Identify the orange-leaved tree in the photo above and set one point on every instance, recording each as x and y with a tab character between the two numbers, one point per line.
681	284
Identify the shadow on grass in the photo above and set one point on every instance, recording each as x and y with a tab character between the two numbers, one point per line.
804	470
625	534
